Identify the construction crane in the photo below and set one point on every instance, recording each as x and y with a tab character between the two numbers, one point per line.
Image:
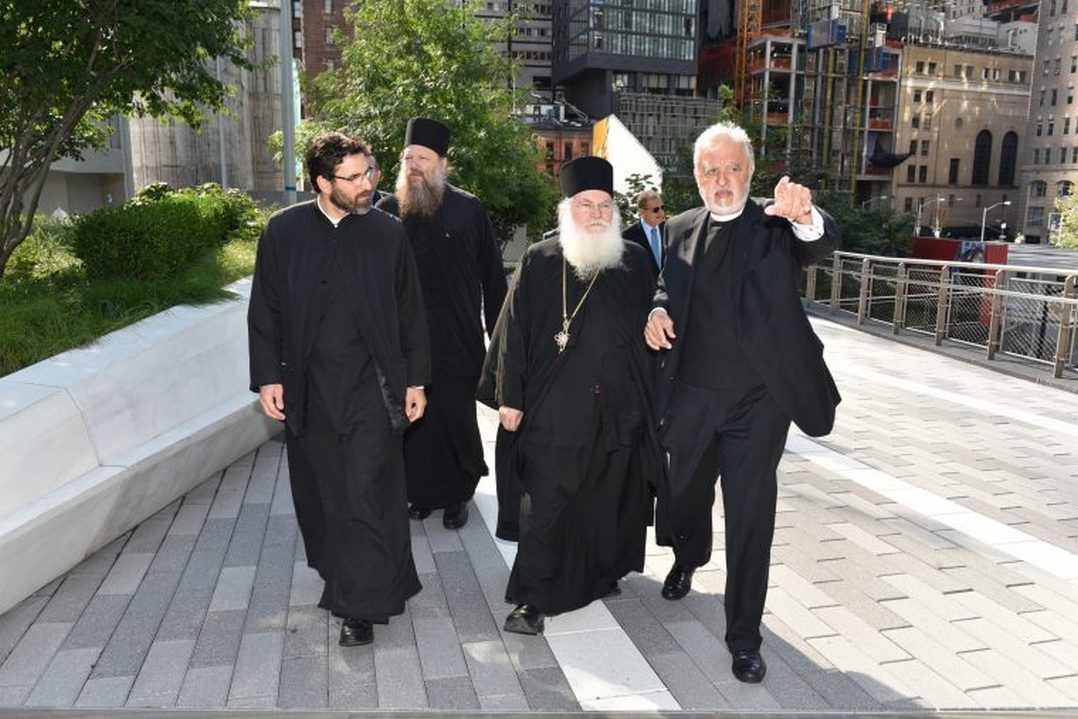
749	18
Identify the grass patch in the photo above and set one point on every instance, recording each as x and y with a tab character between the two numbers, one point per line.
47	305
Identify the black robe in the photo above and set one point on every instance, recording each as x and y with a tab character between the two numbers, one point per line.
460	268
573	481
336	316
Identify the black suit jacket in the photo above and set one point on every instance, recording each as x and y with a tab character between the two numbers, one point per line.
772	329
635	233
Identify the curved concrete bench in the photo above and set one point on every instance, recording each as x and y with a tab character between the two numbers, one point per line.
94	440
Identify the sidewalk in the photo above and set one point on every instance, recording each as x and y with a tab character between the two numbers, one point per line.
926	557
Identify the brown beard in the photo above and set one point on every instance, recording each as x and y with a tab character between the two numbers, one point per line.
421	200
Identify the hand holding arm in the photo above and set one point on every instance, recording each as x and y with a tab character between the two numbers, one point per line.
510	418
659	330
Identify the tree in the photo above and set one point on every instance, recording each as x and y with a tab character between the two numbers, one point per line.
1067	206
433	59
68	66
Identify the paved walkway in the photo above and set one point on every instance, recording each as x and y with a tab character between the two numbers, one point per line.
926	557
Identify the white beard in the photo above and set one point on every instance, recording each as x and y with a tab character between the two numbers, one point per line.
589	252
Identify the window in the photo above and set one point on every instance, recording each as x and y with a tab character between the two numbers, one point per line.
958	71
913	147
907	204
1008	156
1074	64
1066	125
977	200
1038	188
951	199
1041	102
1051	127
1040	129
1036	155
922	174
1074	154
327	7
920	67
1035	217
1062	155
911	173
329	36
929	94
952	172
1052	102
567	151
916	95
924	147
915	121
931	68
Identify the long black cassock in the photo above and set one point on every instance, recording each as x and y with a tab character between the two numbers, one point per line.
573	481
460	268
336	316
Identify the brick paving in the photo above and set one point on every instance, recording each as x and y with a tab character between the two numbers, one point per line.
925	558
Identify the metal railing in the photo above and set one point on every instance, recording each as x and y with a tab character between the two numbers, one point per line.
1014	310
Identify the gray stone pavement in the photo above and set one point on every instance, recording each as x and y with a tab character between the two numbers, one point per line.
925	558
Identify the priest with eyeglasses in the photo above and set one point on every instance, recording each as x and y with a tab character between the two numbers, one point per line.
571	381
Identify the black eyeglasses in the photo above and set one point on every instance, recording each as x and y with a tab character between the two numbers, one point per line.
656	210
367	174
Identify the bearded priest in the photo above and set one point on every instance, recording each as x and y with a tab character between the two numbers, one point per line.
571	381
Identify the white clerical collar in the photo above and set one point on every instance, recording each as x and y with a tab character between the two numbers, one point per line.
318	202
726	218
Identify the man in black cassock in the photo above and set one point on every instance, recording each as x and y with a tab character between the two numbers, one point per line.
571	382
739	362
460	267
339	352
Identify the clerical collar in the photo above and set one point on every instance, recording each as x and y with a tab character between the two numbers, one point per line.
716	217
335	222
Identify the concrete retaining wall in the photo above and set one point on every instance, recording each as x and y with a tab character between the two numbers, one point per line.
95	440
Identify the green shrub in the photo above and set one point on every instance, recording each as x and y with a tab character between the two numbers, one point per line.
45	253
151	239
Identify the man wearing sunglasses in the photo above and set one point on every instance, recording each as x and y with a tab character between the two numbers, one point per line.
648	231
339	353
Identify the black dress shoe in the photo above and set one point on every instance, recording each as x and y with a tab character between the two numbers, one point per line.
356	632
455	516
678	582
525	619
417	512
749	666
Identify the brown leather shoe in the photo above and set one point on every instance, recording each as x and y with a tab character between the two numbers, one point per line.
525	619
356	632
678	582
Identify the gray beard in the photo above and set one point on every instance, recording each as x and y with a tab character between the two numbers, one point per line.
586	252
422	200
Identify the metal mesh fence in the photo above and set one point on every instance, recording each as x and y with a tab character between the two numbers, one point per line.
1026	311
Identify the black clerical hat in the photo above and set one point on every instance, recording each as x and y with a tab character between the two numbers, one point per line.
587	173
428	133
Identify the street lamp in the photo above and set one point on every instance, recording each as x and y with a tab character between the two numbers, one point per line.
870	200
938	198
984	214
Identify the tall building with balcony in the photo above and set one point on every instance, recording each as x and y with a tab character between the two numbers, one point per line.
528	42
635	59
961	120
1049	163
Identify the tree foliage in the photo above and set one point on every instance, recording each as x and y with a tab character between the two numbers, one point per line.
1067	206
434	59
69	65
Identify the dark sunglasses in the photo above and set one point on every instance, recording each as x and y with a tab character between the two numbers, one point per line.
657	210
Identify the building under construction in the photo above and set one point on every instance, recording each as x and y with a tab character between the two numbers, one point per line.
821	80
